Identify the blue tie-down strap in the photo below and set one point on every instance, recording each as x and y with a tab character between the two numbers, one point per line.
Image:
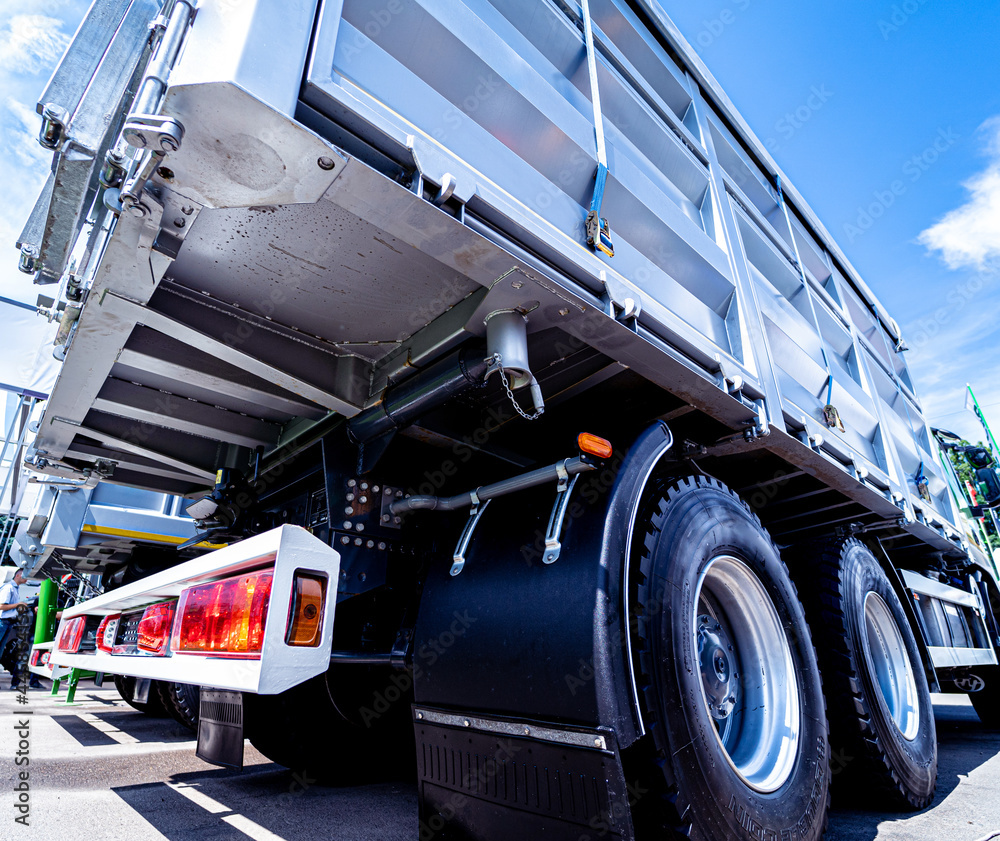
598	229
920	480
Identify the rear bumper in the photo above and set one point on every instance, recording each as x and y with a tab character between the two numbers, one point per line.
42	666
279	667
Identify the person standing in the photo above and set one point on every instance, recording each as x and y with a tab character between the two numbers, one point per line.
10	601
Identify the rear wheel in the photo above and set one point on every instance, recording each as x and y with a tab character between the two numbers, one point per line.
180	700
732	690
986	700
126	688
351	724
881	719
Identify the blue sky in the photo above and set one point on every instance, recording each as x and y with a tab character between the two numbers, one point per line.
33	35
885	115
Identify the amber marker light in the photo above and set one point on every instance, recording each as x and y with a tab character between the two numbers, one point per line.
593	445
305	619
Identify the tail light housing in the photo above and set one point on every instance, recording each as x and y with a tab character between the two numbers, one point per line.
70	634
225	618
106	632
155	627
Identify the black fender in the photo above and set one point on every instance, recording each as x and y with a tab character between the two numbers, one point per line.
513	636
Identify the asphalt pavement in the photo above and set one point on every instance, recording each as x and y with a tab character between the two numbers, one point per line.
100	770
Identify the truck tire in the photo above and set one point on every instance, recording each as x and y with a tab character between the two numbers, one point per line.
126	688
881	719
181	700
730	683
986	701
335	738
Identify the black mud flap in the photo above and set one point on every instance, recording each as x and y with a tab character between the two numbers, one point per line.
220	728
140	691
512	780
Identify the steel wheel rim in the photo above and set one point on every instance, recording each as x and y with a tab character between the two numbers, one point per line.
749	684
890	666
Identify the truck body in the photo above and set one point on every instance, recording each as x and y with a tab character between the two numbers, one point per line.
352	277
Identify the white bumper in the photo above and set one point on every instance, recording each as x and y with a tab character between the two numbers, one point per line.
279	667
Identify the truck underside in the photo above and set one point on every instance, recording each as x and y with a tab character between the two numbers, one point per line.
315	297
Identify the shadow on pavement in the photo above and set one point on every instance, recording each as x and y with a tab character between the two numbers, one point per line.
141	727
270	802
963	745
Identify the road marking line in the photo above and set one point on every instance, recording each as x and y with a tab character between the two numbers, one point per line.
108	729
237	822
200	799
248	827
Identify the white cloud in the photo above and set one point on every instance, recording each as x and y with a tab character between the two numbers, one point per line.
970	234
951	346
30	42
33	35
9	8
21	138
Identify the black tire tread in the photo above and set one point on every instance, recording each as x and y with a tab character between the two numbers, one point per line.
154	707
848	711
177	701
676	807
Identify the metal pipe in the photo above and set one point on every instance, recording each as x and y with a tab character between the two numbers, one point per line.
10	431
154	82
5	534
570	466
403	403
360	658
15	461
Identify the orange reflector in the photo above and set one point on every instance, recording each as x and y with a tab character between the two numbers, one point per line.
592	445
305	621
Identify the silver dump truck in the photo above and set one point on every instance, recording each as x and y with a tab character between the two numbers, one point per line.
561	457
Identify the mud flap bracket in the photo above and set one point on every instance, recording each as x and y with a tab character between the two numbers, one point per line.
515	778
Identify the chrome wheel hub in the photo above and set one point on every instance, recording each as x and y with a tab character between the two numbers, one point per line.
719	675
749	682
889	664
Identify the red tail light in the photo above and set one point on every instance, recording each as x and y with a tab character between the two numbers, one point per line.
106	632
155	626
71	634
225	617
36	656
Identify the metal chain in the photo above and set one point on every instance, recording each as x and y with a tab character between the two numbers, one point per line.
497	360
